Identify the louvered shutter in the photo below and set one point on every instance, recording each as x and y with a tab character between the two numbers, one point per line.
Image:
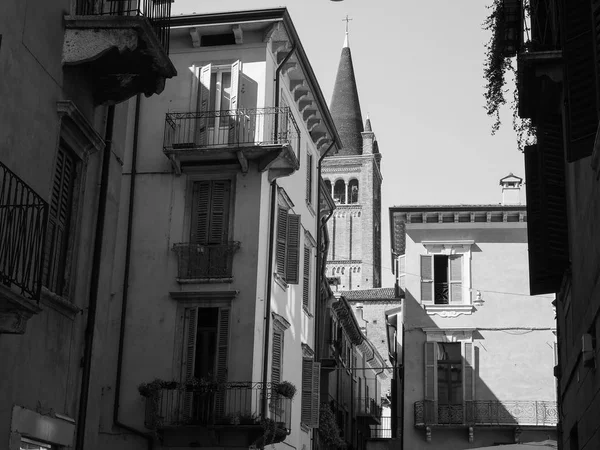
402	271
307	384
316	390
292	262
222	354
427	279
203	104
547	228
581	116
282	216
309	178
306	279
219	211
59	215
234	118
469	370
277	355
430	410
189	356
200	212
456	285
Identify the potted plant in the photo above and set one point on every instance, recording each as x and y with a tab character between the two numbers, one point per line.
285	389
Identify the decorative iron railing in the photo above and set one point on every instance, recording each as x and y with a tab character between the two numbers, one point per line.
487	412
441	293
205	261
23	221
383	430
227	404
540	25
158	13
232	128
368	407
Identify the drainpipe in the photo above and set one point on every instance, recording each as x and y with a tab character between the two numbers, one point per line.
267	318
94	282
116	421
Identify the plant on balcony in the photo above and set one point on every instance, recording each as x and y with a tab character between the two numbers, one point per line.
329	433
496	67
286	389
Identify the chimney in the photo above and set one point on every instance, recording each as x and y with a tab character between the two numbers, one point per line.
511	189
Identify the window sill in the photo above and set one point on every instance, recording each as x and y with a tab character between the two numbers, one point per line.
306	311
204	280
59	303
280	281
448	310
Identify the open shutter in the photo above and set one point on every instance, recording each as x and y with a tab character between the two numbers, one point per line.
402	271
234	117
219	212
429	407
306	279
282	131
469	371
456	276
222	352
189	356
316	390
280	252
427	279
309	178
307	384
292	262
581	116
277	355
203	104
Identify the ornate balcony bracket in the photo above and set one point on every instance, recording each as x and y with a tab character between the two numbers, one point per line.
15	311
125	55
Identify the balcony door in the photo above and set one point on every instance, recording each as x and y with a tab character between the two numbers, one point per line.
450	383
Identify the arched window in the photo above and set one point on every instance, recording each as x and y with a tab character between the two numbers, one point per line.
339	191
328	184
353	191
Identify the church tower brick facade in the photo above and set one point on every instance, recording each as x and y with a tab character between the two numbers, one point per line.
354	177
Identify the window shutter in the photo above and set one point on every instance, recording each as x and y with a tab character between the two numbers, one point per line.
61	200
402	271
219	211
200	212
456	286
316	390
581	116
427	279
283	122
307	384
282	219
234	119
430	349
306	280
293	249
203	102
189	355
469	371
222	350
277	354
309	177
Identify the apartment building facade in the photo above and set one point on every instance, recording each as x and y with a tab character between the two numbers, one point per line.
477	349
219	241
62	66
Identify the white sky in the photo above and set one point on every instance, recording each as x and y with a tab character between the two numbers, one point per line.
419	71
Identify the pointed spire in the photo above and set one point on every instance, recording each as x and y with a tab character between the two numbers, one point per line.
347	20
368	124
345	106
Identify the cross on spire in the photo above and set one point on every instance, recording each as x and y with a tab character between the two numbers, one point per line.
347	20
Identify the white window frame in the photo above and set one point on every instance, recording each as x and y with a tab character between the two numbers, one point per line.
457	247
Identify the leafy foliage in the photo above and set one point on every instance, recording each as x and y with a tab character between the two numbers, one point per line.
286	389
328	429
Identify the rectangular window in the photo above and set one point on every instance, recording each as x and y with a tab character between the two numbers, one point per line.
306	280
309	178
288	246
441	279
310	393
59	221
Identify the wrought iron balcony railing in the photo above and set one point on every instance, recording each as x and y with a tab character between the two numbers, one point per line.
441	293
487	412
23	221
247	127
197	261
225	404
158	13
368	407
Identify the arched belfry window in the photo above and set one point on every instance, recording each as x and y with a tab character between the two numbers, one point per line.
339	191
328	184
353	191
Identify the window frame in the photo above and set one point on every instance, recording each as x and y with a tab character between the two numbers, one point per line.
285	252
